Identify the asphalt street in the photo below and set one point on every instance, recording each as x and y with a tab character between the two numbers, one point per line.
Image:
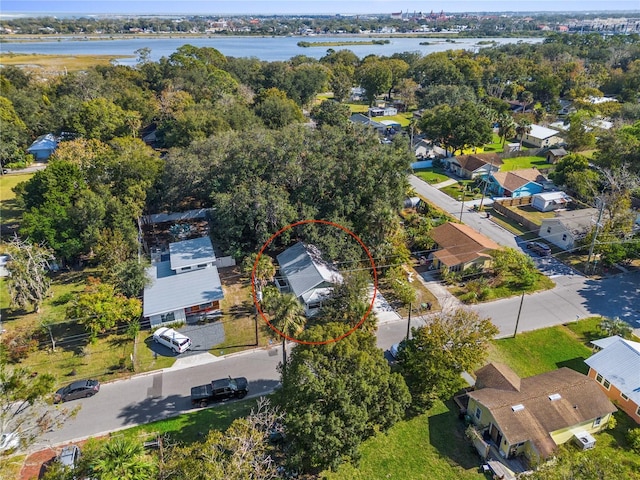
157	395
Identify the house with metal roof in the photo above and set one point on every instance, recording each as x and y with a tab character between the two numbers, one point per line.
542	137
549	201
616	368
460	247
531	416
304	272
184	286
43	146
568	227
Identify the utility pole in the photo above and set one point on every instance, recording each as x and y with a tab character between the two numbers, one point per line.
515	331
462	206
409	323
486	184
595	234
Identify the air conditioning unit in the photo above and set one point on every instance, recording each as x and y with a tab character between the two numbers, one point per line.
584	440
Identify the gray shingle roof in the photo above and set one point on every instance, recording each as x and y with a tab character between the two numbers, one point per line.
305	269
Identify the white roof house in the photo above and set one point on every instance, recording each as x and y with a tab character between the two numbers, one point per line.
548	201
308	275
540	136
187	285
616	367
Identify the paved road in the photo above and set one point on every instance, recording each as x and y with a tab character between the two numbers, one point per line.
474	219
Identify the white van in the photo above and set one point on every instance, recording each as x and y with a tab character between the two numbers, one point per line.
168	337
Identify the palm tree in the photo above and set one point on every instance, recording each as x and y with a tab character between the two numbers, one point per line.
122	459
523	127
288	317
507	127
527	98
265	269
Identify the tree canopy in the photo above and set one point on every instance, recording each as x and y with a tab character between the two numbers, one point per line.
436	354
335	396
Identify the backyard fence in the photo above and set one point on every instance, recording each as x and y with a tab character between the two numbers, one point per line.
501	206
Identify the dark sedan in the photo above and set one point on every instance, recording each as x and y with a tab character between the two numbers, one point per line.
79	389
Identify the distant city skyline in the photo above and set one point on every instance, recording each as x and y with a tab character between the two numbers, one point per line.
293	7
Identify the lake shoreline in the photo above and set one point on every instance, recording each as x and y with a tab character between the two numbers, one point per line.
28	38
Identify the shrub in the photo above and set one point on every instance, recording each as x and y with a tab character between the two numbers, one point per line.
17	346
633	437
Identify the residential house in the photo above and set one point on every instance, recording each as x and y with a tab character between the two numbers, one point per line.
616	368
426	149
532	416
567	227
516	183
555	154
304	272
381	128
474	165
460	247
43	147
542	137
549	201
185	285
382	111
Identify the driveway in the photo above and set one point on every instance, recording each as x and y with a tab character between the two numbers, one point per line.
203	338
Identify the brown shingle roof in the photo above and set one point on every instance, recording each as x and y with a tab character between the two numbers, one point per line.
475	161
460	244
499	376
515	179
580	400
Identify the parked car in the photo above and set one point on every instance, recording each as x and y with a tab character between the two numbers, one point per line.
69	456
540	248
218	390
168	337
75	390
395	349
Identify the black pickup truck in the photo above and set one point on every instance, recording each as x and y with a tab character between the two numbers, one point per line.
217	390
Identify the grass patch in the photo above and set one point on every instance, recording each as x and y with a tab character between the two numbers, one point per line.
358	107
145	359
532	214
539	351
456	190
432	175
507	223
238	315
430	446
57	63
494	146
194	426
518	163
10	213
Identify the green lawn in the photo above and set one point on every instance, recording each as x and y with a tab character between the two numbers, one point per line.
518	163
531	353
431	175
9	211
494	146
194	426
429	447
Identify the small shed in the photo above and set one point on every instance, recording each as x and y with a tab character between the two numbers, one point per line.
555	154
549	201
43	146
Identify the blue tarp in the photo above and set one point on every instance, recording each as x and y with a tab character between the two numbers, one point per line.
422	164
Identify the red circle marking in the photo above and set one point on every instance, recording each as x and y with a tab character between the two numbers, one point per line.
333	224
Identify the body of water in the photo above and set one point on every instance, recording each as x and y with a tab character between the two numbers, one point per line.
263	48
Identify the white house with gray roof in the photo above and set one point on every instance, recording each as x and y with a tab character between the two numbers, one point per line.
567	227
616	367
184	286
304	272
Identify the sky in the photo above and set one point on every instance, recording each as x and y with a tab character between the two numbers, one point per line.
269	7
